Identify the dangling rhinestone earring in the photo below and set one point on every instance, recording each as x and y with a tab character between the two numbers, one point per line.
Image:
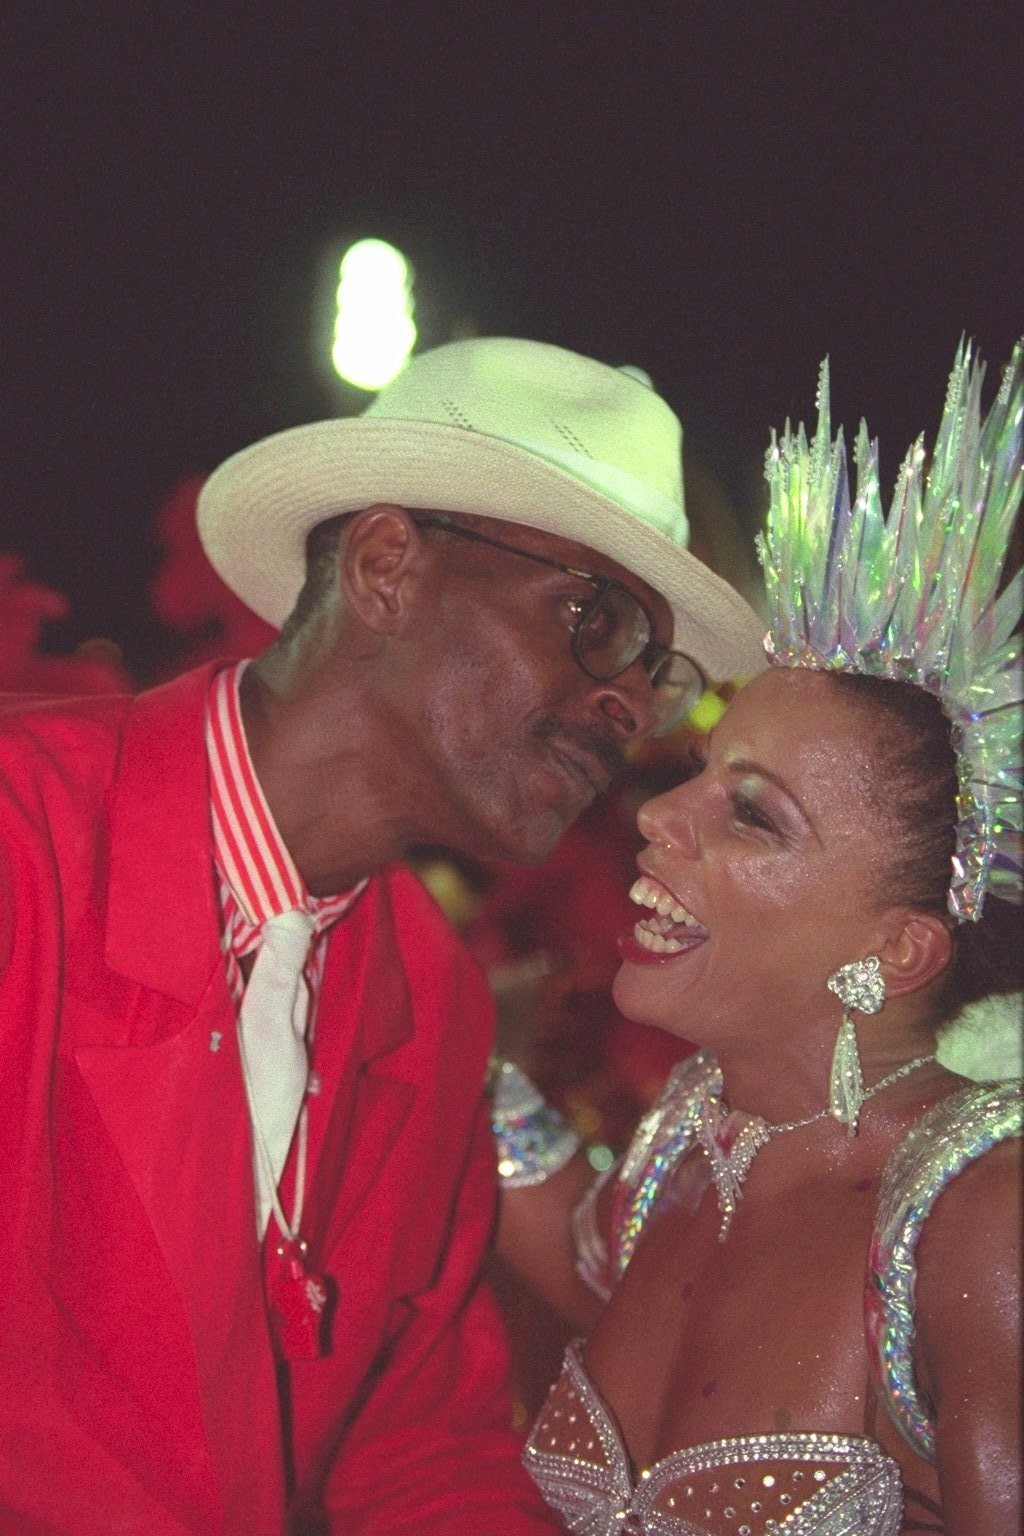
861	986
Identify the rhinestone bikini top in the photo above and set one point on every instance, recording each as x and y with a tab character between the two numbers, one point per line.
803	1484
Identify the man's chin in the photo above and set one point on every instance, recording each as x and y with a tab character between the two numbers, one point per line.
533	841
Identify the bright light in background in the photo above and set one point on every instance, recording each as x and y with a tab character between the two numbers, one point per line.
707	711
374	330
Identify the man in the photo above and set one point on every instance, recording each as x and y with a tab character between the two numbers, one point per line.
248	1166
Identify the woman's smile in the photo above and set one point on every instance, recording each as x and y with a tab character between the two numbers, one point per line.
670	930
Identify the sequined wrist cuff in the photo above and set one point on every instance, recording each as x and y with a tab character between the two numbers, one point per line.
533	1140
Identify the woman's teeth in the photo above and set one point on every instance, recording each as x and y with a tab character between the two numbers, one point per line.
646	893
655	933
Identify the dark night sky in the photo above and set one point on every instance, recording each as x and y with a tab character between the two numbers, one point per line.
720	193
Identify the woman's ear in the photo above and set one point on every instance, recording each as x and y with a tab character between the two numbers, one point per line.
917	948
379	560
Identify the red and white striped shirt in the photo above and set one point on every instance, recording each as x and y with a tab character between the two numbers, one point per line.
257	877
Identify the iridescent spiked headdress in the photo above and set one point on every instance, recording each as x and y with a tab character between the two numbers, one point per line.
915	596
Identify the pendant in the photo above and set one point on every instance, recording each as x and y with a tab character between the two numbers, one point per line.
730	1143
299	1300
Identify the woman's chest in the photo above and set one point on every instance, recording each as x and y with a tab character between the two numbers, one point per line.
761	1333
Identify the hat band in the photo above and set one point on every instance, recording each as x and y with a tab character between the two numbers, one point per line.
660	512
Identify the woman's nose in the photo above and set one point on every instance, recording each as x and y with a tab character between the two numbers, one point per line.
667	820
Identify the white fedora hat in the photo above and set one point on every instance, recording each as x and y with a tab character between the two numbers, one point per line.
500	428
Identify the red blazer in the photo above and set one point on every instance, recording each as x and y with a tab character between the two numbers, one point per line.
139	1390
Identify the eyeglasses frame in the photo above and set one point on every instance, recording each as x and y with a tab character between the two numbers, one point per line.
652	655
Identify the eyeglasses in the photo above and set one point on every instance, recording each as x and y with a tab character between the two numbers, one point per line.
610	632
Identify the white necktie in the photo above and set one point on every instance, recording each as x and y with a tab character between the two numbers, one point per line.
272	1033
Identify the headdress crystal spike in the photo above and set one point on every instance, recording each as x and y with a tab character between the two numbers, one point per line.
915	596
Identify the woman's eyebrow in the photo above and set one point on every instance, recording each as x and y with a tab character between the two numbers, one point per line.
747	765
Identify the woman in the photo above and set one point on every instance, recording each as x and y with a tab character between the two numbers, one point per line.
809	905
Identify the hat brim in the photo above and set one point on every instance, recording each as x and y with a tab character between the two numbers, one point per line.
255	513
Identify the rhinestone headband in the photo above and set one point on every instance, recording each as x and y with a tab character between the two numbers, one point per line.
915	596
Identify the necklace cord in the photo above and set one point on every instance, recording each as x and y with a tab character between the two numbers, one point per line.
729	1160
885	1082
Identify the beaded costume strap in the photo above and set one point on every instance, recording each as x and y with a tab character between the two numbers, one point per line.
664	1136
957	1131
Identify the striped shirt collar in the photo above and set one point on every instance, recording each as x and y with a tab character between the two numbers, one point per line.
255	867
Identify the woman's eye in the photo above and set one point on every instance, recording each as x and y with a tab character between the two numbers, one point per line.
750	814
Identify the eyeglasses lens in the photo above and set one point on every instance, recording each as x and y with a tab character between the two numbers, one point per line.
677	686
614	633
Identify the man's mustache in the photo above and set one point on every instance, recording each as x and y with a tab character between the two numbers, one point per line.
590	743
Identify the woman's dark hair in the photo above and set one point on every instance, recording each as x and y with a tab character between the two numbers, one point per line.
916	784
915	790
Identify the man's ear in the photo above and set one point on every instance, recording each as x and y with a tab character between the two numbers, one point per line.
917	947
380	562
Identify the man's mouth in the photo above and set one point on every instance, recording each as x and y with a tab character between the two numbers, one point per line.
672	928
584	770
593	760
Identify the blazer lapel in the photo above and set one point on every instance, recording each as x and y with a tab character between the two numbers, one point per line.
164	1073
163	923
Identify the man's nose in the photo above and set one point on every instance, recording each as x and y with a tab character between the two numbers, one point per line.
628	701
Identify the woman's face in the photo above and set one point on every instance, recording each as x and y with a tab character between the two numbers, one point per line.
762	874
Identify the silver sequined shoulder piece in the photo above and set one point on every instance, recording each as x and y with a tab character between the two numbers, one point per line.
664	1136
958	1130
591	1485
